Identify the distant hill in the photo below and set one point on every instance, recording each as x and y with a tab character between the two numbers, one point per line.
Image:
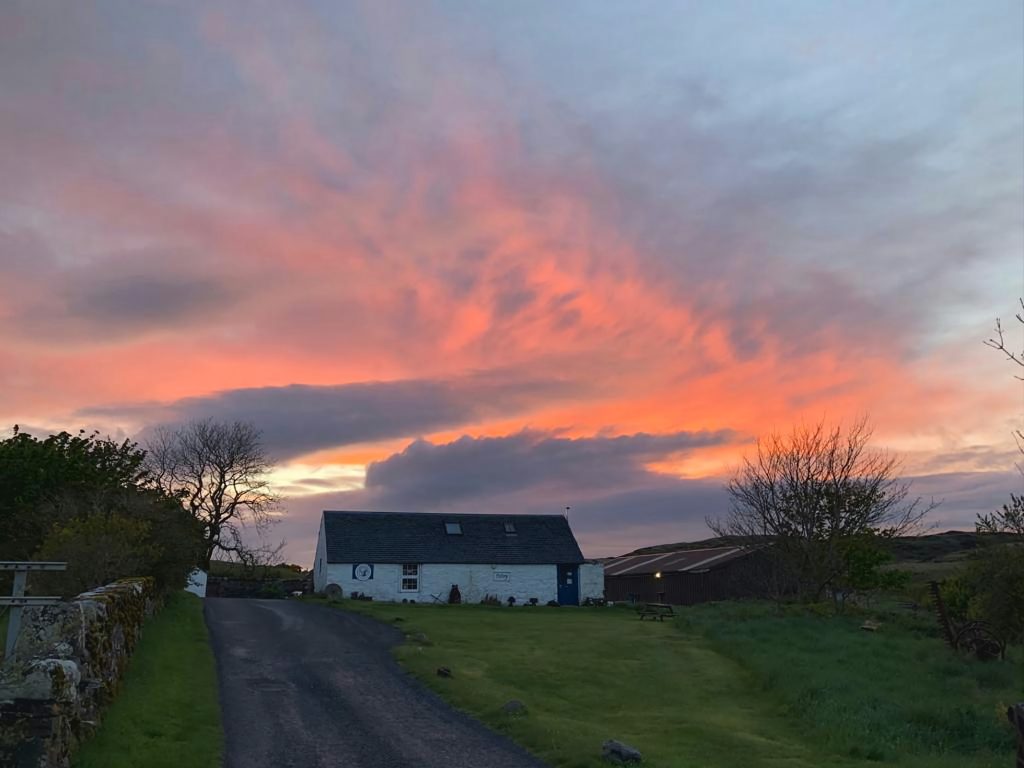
943	546
238	571
936	547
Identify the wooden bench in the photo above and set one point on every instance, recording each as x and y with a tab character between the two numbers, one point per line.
659	611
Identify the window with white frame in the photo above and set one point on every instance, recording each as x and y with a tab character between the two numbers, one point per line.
410	577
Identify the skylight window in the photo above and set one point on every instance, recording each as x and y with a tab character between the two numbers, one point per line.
510	527
453	529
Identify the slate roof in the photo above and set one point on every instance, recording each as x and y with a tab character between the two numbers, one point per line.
420	537
687	560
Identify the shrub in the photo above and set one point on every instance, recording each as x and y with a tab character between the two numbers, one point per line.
957	594
272	590
137	534
996	580
98	550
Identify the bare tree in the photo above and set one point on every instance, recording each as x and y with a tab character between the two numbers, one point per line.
219	471
1011	518
811	493
999	340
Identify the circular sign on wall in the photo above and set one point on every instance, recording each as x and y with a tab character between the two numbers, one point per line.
362	571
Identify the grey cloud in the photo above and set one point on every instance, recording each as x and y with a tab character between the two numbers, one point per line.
719	172
120	294
145	300
301	418
427	474
981	458
965	494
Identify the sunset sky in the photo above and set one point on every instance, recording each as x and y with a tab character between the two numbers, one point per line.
509	257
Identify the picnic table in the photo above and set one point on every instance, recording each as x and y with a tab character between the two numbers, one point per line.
657	611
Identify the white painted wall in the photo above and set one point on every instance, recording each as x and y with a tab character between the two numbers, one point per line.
196	583
591	580
474	580
320	561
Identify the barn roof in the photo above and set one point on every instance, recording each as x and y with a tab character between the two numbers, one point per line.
687	560
420	537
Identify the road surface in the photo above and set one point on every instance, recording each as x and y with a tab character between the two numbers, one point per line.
308	686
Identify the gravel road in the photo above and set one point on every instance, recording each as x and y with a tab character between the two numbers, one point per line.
307	686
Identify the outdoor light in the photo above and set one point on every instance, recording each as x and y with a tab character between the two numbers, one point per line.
657	575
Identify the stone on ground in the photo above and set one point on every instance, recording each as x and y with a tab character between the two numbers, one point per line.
616	752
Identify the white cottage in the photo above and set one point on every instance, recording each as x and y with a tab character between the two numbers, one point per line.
419	556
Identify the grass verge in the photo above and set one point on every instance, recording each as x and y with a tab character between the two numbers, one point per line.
897	696
167	713
762	693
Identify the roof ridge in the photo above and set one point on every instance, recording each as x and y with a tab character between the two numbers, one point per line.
441	514
678	551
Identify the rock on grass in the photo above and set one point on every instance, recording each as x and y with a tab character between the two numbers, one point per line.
616	752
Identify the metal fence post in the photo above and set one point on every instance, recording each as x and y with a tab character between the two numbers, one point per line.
18	600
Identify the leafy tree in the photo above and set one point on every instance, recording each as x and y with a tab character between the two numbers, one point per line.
1010	519
99	549
863	561
141	533
38	479
219	471
812	492
996	579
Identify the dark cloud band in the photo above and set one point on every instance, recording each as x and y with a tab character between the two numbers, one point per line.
300	418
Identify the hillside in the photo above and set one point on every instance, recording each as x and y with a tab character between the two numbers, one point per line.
933	548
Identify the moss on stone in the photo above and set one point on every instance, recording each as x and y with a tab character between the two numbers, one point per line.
101	628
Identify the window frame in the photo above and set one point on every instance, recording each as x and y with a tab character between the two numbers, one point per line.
410	573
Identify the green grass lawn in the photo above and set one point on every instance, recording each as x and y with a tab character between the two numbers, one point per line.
167	713
725	686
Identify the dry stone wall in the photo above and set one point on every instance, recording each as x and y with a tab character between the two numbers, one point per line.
65	669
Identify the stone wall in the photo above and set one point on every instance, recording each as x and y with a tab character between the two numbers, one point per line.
225	586
65	669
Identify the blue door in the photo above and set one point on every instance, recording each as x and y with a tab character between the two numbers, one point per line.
568	585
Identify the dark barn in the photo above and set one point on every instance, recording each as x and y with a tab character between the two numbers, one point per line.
686	577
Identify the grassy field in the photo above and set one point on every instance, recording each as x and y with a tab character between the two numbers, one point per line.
726	686
167	713
894	695
238	571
